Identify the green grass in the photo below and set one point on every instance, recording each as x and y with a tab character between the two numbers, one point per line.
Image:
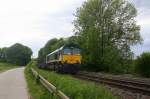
73	88
6	66
37	91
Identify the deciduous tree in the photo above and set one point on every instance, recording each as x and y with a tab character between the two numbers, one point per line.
107	30
18	54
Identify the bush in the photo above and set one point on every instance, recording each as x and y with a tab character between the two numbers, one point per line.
143	64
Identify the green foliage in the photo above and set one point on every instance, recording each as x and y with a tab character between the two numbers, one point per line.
3	54
16	54
106	29
36	90
143	64
45	50
50	46
72	87
41	56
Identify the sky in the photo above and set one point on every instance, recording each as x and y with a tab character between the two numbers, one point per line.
143	19
34	22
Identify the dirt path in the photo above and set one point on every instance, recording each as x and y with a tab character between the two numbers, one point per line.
13	84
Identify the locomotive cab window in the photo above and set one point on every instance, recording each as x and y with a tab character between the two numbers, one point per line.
76	51
67	51
71	51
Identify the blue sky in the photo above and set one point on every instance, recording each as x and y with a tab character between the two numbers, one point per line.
34	22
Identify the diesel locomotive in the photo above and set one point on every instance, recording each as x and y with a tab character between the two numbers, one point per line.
66	59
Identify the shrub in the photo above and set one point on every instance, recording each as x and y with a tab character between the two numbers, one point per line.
143	64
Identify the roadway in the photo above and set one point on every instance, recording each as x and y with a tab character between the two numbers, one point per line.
13	84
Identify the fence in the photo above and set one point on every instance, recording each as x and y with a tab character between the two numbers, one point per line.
51	88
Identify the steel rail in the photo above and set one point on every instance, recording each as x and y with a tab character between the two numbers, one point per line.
134	86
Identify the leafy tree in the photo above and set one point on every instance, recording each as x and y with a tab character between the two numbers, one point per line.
143	64
106	29
49	47
0	54
18	54
41	56
3	57
60	42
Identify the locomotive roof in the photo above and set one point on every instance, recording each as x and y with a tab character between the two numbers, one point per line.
57	50
65	46
71	45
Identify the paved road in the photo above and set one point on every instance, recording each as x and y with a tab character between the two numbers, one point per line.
13	84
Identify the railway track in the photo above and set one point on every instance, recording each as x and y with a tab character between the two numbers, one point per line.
135	86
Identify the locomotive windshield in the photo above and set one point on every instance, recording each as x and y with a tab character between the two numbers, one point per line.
71	51
76	51
67	51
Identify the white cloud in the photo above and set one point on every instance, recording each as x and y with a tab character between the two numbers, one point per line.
33	22
143	19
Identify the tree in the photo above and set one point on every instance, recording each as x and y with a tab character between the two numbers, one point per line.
142	64
41	56
49	47
3	57
107	29
18	54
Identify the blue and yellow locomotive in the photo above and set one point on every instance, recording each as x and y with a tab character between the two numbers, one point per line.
66	59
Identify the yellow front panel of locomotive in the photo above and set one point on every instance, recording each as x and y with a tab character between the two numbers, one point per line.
71	59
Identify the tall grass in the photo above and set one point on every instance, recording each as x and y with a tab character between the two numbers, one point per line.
73	88
36	90
6	66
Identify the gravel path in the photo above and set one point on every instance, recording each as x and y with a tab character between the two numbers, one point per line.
13	84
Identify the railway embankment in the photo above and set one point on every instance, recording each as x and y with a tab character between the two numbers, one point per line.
123	86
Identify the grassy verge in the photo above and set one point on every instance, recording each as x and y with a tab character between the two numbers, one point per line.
37	91
73	88
6	66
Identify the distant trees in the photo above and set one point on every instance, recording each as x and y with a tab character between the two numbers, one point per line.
105	30
17	54
41	56
142	65
3	54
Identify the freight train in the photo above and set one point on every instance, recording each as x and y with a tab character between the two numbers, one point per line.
66	59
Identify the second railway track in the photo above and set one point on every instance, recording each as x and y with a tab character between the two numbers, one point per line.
126	84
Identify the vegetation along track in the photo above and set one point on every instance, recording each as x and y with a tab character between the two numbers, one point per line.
136	86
